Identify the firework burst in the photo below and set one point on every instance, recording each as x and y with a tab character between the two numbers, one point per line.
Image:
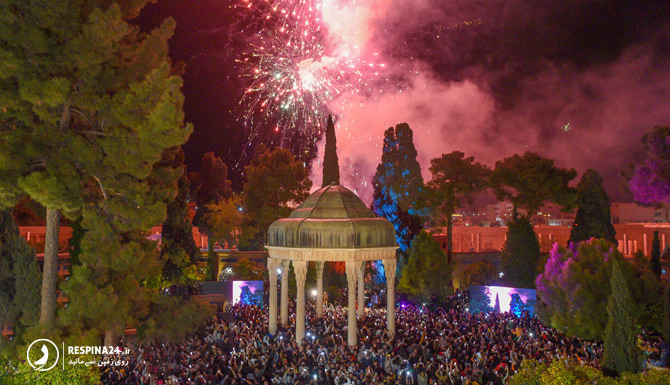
294	68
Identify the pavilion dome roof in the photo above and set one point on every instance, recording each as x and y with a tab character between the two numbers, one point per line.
332	217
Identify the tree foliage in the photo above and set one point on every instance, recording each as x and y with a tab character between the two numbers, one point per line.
331	167
178	249
593	218
94	104
225	219
19	276
655	259
427	271
276	184
397	184
528	181
520	253
620	351
455	182
479	273
560	373
209	186
650	182
576	281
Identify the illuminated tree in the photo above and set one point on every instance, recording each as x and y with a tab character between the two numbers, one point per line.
427	271
456	180
575	283
397	184
650	182
593	218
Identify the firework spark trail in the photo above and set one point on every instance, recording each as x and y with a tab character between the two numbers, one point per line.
295	68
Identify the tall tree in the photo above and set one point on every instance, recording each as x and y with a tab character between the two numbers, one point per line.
276	184
655	259
178	248
19	276
650	182
331	167
456	180
211	185
96	104
397	184
620	351
427	272
528	181
75	92
520	253
593	218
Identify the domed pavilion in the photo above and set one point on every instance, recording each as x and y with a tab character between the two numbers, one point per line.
331	225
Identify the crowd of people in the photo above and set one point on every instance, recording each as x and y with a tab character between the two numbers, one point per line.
432	345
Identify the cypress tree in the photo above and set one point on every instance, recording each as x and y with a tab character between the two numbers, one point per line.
593	213
521	253
656	255
620	351
331	167
19	275
397	184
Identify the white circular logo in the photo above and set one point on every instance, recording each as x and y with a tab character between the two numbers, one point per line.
40	363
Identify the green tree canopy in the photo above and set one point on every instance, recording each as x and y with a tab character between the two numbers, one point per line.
479	273
520	253
276	184
456	180
593	218
19	276
529	180
427	271
178	249
575	283
620	351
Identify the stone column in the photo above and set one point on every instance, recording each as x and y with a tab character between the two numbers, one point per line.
644	244
283	316
319	288
300	270
272	309
389	268
361	291
662	242
352	268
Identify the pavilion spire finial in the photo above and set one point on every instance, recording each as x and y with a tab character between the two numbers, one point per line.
331	167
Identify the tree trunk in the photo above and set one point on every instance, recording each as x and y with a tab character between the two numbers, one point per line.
450	243
110	338
50	269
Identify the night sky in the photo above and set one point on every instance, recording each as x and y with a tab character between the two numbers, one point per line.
576	81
